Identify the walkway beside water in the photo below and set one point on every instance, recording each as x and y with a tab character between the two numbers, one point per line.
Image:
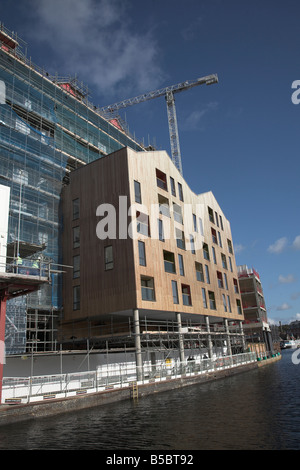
49	406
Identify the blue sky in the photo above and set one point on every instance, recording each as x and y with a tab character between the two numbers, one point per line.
239	138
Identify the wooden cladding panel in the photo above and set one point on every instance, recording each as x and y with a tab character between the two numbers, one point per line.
119	289
101	291
143	168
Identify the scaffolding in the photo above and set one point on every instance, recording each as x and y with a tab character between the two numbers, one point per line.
158	338
48	128
256	327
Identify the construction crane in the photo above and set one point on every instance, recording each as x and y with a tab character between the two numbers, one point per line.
168	92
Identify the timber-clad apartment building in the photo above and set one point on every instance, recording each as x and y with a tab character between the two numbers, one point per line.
170	251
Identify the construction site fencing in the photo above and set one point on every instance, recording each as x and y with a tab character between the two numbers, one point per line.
38	388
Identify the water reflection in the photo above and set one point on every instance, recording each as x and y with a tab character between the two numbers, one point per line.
254	410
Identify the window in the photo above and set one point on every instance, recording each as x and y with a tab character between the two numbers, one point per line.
180	192
75	208
210	214
229	303
161	180
161	235
221	222
173	190
164	208
175	292
43	237
217	219
207	274
229	246
142	253
224	303
76	237
212	301
201	226
28	104
230	263
239	308
76	266
224	262
169	262
108	258
137	192
204	298
195	223
225	281
205	251
236	287
220	280
186	295
43	210
147	284
143	224
21	176
214	254
199	272
220	240
181	266
180	240
76	298
214	236
192	242
177	213
21	126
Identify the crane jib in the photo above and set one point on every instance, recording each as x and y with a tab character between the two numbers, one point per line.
168	92
208	80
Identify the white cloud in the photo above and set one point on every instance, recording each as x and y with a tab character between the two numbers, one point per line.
273	322
96	40
286	279
282	243
284	306
284	319
238	248
193	121
296	243
278	246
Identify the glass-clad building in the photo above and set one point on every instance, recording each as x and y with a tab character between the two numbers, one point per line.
47	128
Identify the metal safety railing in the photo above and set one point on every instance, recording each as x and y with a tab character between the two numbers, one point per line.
38	388
26	267
30	267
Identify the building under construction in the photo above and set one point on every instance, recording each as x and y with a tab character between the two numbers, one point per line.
48	128
256	326
149	293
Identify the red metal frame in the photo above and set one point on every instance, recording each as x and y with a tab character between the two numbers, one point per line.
9	290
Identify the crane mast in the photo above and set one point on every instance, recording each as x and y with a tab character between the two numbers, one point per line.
168	92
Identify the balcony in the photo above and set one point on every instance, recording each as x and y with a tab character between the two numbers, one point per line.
244	272
249	307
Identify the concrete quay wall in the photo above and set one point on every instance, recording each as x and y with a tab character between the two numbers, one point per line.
11	414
